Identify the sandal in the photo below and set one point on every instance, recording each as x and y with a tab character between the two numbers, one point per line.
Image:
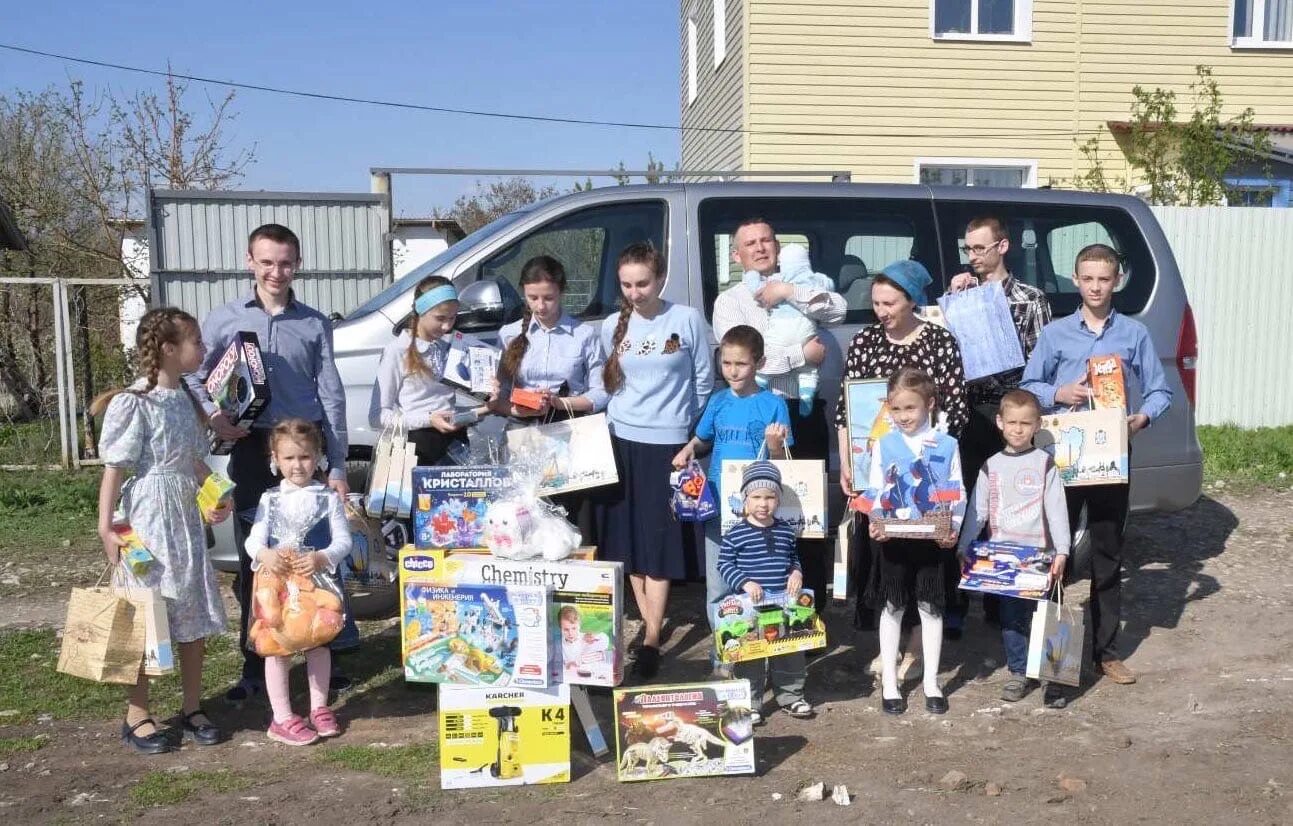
800	710
204	734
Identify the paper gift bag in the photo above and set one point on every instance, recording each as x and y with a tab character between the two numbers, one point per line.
159	656
803	494
404	502
575	454
1089	446
843	545
692	497
103	637
379	470
980	320
395	475
1055	644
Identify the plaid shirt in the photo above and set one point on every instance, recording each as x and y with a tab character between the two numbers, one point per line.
1031	312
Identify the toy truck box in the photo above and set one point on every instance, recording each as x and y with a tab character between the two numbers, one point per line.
485	635
780	623
238	385
695	730
503	736
586	615
1007	568
449	504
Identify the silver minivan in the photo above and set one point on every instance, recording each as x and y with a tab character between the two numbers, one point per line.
852	231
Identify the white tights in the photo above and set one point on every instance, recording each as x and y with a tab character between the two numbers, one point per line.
931	637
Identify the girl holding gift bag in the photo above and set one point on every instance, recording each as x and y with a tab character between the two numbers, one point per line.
155	429
304	506
659	373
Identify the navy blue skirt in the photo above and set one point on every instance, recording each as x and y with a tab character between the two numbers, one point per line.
634	523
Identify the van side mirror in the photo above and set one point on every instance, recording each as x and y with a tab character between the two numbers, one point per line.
487	305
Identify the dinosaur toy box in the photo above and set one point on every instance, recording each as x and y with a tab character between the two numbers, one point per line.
1007	568
690	730
449	504
503	736
485	635
586	611
780	623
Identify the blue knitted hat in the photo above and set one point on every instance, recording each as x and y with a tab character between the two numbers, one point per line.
760	476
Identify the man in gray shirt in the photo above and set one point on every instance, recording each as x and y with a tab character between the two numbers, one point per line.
296	346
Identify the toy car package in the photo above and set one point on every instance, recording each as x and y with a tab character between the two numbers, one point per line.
1007	568
451	632
449	504
663	732
780	623
238	385
503	736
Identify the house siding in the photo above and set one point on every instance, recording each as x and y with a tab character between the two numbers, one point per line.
719	91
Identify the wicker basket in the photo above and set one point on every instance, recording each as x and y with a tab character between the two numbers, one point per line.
936	526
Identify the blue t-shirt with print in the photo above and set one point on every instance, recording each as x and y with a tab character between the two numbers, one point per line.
735	425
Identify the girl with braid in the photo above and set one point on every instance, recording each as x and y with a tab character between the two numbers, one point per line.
155	429
659	373
551	352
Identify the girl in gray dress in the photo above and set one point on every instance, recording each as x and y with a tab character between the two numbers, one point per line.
155	430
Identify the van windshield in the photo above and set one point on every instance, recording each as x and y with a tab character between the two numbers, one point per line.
408	281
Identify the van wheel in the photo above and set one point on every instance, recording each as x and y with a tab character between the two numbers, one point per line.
357	475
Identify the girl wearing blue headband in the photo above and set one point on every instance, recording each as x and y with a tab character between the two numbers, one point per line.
408	387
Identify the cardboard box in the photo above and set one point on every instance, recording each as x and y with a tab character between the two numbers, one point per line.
695	730
135	555
503	737
1089	446
1007	568
489	635
586	613
238	385
1108	384
467	371
214	490
779	624
449	504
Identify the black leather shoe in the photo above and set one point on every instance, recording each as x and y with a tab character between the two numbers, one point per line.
155	743
204	734
897	706
647	664
936	705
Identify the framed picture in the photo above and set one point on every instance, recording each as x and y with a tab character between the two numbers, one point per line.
868	416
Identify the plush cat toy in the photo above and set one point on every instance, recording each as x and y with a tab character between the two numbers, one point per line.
507	528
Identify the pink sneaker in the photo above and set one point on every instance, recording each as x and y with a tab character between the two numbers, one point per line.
324	722
292	732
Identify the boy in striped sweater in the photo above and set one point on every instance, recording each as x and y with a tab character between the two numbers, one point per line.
758	553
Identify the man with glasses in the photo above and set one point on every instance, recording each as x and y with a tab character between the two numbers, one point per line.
985	248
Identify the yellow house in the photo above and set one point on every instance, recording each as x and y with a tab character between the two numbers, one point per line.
976	92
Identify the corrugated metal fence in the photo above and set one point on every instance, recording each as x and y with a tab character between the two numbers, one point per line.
1237	263
198	242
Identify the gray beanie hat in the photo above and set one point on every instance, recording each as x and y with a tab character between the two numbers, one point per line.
760	476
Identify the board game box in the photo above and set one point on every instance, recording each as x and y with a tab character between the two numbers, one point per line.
780	623
490	635
449	504
1007	568
503	736
1108	386
238	385
695	730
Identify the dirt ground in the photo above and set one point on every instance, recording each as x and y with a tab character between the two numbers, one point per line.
1204	737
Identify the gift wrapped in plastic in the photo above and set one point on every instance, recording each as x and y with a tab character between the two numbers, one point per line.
295	612
522	525
692	498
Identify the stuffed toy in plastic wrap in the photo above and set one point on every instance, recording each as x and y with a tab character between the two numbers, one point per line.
520	525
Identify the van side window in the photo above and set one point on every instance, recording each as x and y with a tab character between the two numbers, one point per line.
1045	240
586	243
848	239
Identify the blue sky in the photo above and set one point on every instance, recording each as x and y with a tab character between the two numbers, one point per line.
605	60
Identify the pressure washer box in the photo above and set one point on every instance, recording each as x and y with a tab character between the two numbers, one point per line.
503	736
238	385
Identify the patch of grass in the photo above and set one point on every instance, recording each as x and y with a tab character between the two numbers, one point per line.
1241	456
412	763
159	788
39	511
30	685
18	745
30	443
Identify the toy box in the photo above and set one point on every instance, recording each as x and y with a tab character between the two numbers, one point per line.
490	635
781	623
1108	387
470	364
135	555
529	399
1007	568
692	730
586	614
449	504
503	737
215	489
238	385
1089	446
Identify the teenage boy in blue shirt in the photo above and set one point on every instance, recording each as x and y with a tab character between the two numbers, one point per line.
1057	374
736	422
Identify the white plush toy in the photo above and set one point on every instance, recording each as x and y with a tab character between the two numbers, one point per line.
553	537
507	528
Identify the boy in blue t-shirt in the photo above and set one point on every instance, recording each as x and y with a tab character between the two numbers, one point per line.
736	422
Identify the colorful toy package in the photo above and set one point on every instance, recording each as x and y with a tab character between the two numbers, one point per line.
450	503
781	623
451	632
238	385
692	498
135	556
470	364
1007	568
1108	387
692	730
1089	446
215	489
586	614
503	737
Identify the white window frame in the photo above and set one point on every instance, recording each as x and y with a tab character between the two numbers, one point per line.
720	32
1028	165
1023	32
1259	25
691	61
